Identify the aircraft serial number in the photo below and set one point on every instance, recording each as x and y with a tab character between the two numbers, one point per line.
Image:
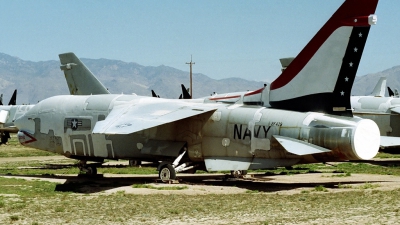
278	124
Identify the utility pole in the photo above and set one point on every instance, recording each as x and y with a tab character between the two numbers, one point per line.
191	87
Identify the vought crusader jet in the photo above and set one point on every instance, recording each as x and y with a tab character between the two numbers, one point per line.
304	116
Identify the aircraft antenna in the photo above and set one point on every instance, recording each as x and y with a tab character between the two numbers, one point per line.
191	87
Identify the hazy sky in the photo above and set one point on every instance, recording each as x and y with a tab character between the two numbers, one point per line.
227	38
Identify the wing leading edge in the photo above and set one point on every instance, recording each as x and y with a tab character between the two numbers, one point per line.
131	118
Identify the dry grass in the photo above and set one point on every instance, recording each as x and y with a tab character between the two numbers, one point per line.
40	202
37	202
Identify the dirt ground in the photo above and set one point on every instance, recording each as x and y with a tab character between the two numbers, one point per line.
219	184
214	183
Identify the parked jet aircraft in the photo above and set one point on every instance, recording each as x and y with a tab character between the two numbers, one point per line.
385	111
309	122
6	124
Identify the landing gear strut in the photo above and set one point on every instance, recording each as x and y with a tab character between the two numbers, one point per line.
168	170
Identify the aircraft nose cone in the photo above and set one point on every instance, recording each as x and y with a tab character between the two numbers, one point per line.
26	127
25	138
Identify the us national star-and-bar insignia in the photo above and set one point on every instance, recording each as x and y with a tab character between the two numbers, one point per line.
75	124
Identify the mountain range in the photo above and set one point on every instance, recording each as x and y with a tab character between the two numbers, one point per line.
38	80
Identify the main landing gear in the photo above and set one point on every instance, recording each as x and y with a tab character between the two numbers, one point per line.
168	170
90	169
238	173
135	163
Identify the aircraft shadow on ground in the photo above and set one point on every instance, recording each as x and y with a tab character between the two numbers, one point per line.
99	184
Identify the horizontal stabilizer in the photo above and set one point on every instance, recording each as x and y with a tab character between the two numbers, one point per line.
395	109
131	118
387	141
298	147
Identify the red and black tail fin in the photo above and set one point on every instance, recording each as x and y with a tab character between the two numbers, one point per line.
320	78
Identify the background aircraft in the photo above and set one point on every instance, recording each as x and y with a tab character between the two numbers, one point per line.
308	123
385	111
7	115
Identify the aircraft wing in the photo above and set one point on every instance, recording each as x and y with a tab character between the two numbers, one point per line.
395	109
130	118
388	141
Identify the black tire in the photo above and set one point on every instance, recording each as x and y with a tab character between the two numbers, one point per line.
4	138
91	170
167	172
133	163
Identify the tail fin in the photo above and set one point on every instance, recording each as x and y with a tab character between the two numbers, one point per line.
185	93
154	95
79	78
391	93
320	78
13	99
379	90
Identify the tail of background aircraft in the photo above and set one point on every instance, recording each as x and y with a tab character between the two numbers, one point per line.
79	78
13	99
185	92
330	59
380	88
